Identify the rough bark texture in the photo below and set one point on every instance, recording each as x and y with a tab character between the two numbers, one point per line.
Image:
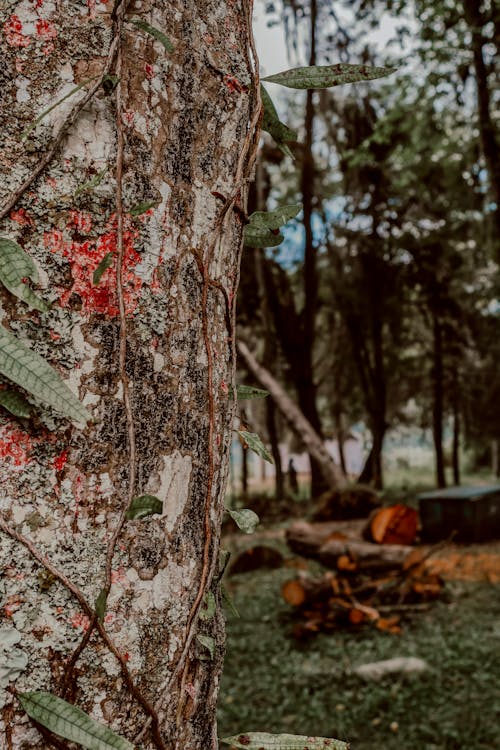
187	119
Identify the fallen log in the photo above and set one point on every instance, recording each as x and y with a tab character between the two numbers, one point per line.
332	542
366	556
304	538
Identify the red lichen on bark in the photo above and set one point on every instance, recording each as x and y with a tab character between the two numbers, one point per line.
15	446
13	30
84	258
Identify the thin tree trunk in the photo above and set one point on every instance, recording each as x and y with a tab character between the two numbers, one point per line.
456	441
340	432
489	137
312	441
148	349
279	490
438	398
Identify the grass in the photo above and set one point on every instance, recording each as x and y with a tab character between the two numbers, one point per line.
272	683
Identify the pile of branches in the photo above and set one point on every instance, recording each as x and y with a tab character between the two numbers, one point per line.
367	582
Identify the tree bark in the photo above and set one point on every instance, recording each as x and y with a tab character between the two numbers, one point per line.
149	350
313	443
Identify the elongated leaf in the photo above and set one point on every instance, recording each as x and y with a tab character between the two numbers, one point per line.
16	265
29	370
228	600
156	33
91	184
15	403
275	219
246	392
265	741
208	610
245	519
208	642
255	235
272	124
325	76
71	722
100	605
144	505
53	106
141	208
103	266
255	444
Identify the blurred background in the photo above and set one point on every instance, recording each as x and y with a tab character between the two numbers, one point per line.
375	327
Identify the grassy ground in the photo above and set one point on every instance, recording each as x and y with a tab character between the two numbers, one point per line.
272	683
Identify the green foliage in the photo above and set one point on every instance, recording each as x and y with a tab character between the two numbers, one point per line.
155	33
15	403
15	266
228	601
144	505
91	184
266	741
30	371
208	610
207	642
272	124
100	605
70	722
247	392
74	90
262	227
103	266
256	445
142	207
245	519
326	76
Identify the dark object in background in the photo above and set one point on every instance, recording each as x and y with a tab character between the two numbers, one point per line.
473	513
256	558
357	501
292	477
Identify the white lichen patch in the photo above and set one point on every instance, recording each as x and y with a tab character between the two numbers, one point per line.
171	486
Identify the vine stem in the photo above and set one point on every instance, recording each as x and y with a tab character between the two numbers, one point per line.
63	130
86	607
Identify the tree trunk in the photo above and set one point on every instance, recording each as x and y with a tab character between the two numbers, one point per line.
279	479
313	443
489	138
131	172
437	401
456	441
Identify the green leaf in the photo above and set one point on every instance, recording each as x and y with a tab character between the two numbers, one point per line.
70	722
255	235
256	445
91	184
100	605
275	219
208	642
15	403
144	505
16	265
245	519
325	76
103	266
33	125
228	600
265	741
156	33
30	371
272	124
141	208
246	392
209	607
